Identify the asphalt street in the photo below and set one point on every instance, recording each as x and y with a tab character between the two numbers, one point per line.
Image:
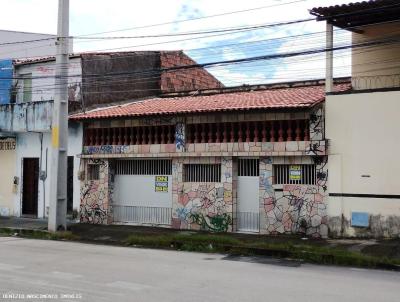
38	270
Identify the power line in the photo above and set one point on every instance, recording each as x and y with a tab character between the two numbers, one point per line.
193	19
86	36
125	78
236	61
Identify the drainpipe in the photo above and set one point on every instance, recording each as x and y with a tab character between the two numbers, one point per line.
329	58
40	169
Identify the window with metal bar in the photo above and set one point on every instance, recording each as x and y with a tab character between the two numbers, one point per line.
202	173
294	174
93	172
144	167
248	167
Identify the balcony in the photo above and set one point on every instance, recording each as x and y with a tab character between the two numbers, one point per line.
256	138
25	117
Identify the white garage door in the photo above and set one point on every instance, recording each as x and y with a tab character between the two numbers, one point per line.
248	212
143	191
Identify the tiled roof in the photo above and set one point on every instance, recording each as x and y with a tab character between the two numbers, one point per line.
297	97
31	60
360	13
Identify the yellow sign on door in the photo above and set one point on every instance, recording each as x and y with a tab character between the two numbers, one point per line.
161	184
295	172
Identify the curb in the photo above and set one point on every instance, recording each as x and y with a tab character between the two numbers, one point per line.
325	259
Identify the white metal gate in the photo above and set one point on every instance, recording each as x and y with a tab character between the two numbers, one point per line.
143	191
248	213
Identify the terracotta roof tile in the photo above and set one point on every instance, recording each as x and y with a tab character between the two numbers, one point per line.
298	97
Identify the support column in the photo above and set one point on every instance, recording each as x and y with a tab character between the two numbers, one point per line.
329	58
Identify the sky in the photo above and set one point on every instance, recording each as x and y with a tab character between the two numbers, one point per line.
94	18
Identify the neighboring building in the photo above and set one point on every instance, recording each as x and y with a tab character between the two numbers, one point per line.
247	159
15	45
18	44
26	113
362	124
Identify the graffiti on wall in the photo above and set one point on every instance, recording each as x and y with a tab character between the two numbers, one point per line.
205	206
180	137
94	196
316	125
106	149
317	145
297	208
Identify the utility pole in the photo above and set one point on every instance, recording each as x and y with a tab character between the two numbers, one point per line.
329	58
59	129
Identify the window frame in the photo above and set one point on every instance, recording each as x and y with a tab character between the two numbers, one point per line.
203	173
281	174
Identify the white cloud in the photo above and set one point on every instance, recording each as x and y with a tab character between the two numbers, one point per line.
91	16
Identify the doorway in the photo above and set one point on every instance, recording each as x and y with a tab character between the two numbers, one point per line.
30	187
248	210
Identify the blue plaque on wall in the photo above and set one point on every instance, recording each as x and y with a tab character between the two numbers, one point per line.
359	219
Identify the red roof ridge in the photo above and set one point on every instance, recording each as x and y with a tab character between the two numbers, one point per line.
287	97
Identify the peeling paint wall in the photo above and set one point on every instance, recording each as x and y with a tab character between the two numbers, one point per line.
43	81
23	117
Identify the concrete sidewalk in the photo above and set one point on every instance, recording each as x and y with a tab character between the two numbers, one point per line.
23	223
258	244
26	223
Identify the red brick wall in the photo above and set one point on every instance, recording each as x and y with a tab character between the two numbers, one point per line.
184	79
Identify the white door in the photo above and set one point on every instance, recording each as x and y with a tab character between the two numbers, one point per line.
143	192
248	209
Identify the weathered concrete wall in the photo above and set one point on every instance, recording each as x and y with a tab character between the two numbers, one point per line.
362	130
43	80
128	81
24	117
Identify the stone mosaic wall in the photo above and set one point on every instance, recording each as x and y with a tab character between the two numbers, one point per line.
206	206
96	194
292	148
295	208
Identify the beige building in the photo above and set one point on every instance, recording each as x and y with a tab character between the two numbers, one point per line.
7	172
362	124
